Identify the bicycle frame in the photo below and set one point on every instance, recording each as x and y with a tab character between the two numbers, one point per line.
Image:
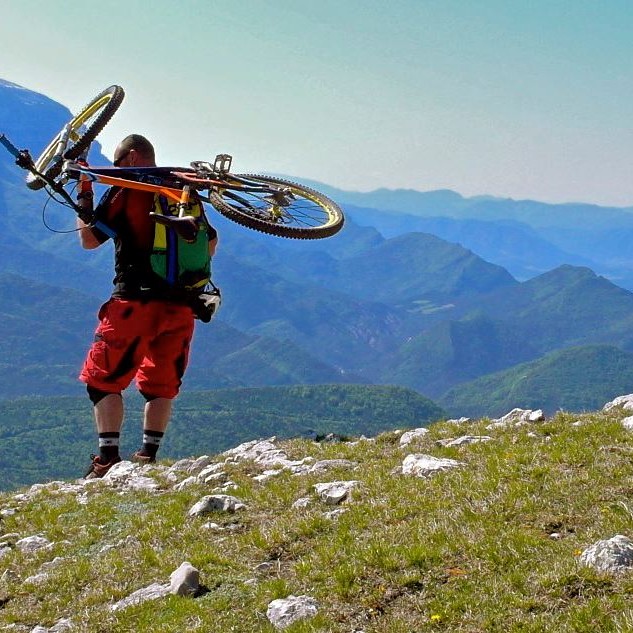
141	175
263	203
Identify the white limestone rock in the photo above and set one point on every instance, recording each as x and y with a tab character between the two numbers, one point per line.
303	502
411	436
59	627
464	440
121	471
517	417
611	555
264	453
216	503
200	463
335	492
266	475
182	465
185	483
458	420
624	402
334	514
184	581
32	544
324	465
207	473
285	611
152	592
421	465
141	483
250	450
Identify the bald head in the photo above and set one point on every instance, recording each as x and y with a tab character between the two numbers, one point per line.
134	151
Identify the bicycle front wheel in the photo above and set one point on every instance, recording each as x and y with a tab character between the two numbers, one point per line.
82	129
278	207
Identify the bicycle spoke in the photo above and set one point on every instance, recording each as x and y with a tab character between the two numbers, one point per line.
277	206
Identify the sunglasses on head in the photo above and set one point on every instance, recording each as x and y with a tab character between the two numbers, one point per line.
117	161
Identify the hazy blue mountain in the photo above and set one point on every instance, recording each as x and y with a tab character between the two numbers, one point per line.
564	307
516	246
526	237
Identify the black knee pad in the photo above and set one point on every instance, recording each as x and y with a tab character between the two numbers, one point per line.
96	395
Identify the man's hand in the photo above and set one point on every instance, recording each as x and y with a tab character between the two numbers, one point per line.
84	186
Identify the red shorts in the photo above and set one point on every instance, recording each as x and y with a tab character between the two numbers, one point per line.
147	340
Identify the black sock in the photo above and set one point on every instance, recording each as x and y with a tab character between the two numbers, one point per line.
108	446
151	443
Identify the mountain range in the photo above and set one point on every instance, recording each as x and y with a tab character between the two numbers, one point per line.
427	290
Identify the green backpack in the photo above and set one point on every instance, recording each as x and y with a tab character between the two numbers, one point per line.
183	265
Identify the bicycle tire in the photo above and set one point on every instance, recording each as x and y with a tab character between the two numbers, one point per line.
310	215
84	128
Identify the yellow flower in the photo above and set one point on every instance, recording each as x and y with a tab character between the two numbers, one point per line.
436	617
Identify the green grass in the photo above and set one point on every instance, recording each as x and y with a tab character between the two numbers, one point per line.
466	550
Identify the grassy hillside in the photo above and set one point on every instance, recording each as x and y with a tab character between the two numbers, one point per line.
574	379
493	545
51	438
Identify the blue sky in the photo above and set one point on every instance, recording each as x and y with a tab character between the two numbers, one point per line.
518	98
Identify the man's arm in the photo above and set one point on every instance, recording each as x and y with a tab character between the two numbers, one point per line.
89	236
213	239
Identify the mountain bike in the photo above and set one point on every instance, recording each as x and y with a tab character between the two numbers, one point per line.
263	203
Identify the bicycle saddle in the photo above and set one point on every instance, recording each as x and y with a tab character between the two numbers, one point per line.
186	227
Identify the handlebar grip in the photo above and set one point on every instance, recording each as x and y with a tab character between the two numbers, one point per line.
9	146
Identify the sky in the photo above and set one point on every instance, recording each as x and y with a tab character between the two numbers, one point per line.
512	98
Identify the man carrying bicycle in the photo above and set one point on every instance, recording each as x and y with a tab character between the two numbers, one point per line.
145	328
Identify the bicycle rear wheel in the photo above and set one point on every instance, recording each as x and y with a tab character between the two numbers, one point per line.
278	207
82	130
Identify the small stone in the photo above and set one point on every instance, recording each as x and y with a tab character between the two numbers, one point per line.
285	611
212	503
426	465
335	491
185	581
32	544
324	465
464	440
626	402
213	526
410	436
153	592
201	462
185	483
611	555
62	625
458	420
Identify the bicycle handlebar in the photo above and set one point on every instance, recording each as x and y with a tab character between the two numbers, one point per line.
9	146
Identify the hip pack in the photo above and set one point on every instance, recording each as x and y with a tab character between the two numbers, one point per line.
183	265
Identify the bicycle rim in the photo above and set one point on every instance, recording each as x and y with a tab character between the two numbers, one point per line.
279	207
83	128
